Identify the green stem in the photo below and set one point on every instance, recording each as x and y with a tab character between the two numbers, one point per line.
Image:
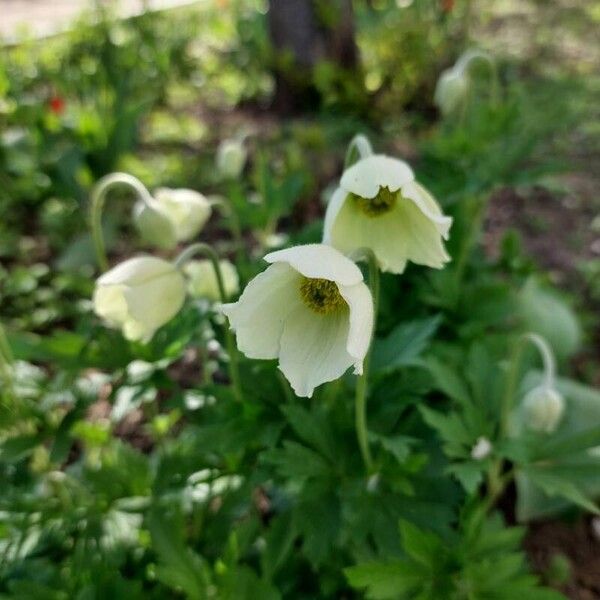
6	363
235	227
362	382
98	197
358	148
497	481
209	252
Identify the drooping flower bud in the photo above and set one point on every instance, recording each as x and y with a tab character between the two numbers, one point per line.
543	407
451	90
139	295
154	225
202	280
231	158
172	216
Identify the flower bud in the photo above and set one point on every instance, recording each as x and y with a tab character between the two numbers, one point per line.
139	296
231	158
202	280
481	449
172	216
451	90
154	226
544	408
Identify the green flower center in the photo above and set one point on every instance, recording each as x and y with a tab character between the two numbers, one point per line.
379	205
321	295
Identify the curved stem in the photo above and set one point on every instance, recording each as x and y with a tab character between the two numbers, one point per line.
496	480
362	382
235	227
358	148
547	357
209	252
98	197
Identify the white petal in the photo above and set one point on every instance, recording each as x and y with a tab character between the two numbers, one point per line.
110	304
157	300
188	210
319	261
136	270
313	349
384	235
258	316
154	225
428	206
425	245
369	174
360	301
333	208
136	331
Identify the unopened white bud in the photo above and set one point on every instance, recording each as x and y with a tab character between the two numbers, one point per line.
451	90
481	449
231	158
544	408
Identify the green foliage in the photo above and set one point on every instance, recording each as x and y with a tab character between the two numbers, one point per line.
482	561
130	470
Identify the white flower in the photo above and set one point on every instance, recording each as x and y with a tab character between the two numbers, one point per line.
231	158
544	408
481	449
202	281
139	296
451	90
311	310
380	206
171	216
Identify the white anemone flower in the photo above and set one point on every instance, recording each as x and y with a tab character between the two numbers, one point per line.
202	280
311	310
139	295
379	205
173	216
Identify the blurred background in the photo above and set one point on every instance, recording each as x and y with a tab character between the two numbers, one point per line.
154	88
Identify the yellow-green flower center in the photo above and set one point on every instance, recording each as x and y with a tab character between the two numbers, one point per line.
321	295
382	203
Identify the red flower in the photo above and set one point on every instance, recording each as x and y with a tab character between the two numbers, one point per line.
57	105
447	6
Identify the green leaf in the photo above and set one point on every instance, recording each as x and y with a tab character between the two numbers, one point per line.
447	380
555	485
568	444
179	566
546	314
312	429
384	580
422	546
296	461
404	345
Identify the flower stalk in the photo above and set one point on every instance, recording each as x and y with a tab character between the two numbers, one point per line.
98	198
209	252
360	406
6	363
359	147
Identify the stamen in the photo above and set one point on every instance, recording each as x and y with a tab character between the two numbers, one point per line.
321	295
379	205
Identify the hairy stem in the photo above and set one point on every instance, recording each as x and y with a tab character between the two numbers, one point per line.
362	382
209	252
98	198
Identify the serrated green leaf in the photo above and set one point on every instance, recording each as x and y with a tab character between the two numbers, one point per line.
384	580
404	345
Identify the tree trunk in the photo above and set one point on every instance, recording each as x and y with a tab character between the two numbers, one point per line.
302	36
